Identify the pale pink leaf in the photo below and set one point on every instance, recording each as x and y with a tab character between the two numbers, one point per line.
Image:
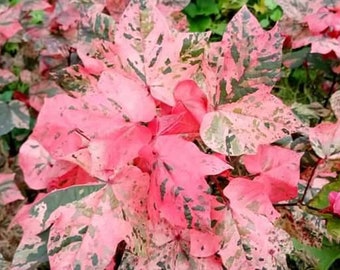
240	127
9	192
278	169
325	140
297	10
128	95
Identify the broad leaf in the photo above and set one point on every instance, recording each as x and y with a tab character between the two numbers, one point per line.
239	128
278	169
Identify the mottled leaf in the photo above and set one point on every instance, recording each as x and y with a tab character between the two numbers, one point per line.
239	128
155	54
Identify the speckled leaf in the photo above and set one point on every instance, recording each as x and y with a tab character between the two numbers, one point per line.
252	58
169	248
240	127
31	252
103	26
13	115
156	54
178	193
297	10
325	140
9	192
251	240
43	209
99	222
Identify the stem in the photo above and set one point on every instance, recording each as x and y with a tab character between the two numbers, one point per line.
331	90
310	180
219	189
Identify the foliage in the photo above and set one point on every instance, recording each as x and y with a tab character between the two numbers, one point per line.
155	148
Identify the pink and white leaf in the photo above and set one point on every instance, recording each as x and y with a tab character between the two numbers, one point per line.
325	140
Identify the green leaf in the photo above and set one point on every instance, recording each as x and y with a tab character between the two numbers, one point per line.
207	7
320	201
6	96
191	10
271	4
276	14
325	256
37	16
200	24
333	227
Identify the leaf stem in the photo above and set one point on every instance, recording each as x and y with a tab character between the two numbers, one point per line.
312	175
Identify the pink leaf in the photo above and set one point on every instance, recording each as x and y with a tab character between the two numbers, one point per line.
335	104
126	143
278	169
174	183
334	201
325	140
203	244
128	95
9	192
192	98
239	128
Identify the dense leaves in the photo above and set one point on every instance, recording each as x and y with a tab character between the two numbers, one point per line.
154	146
